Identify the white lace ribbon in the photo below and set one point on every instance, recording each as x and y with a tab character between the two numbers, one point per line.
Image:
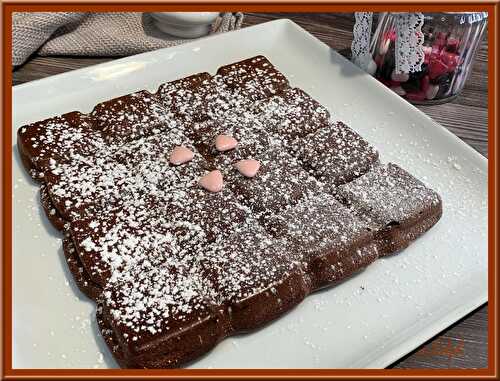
362	32
409	52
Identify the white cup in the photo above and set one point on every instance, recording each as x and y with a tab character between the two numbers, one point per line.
184	24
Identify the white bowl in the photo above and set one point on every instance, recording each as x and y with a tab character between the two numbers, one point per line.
185	24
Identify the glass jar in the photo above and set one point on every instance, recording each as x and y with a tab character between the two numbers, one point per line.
450	44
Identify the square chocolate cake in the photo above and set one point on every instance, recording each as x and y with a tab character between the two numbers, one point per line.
213	206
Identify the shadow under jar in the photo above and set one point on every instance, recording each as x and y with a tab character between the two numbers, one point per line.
450	44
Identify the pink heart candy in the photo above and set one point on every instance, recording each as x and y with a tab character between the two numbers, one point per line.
212	181
399	77
180	155
248	167
225	142
437	68
431	91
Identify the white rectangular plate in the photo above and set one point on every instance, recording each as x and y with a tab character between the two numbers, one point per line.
371	320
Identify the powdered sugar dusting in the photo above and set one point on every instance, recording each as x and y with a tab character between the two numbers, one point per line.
169	256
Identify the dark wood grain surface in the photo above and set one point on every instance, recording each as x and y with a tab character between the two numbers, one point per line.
465	344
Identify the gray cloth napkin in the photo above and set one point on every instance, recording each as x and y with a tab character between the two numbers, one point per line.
95	34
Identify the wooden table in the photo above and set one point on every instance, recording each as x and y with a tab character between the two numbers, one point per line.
466	116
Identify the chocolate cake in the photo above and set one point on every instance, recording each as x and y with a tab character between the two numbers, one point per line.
213	206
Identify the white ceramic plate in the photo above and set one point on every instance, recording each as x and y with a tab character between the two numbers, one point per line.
371	320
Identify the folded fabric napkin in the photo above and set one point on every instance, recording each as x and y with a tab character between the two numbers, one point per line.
95	34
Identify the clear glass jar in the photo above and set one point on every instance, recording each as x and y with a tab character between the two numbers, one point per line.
450	44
